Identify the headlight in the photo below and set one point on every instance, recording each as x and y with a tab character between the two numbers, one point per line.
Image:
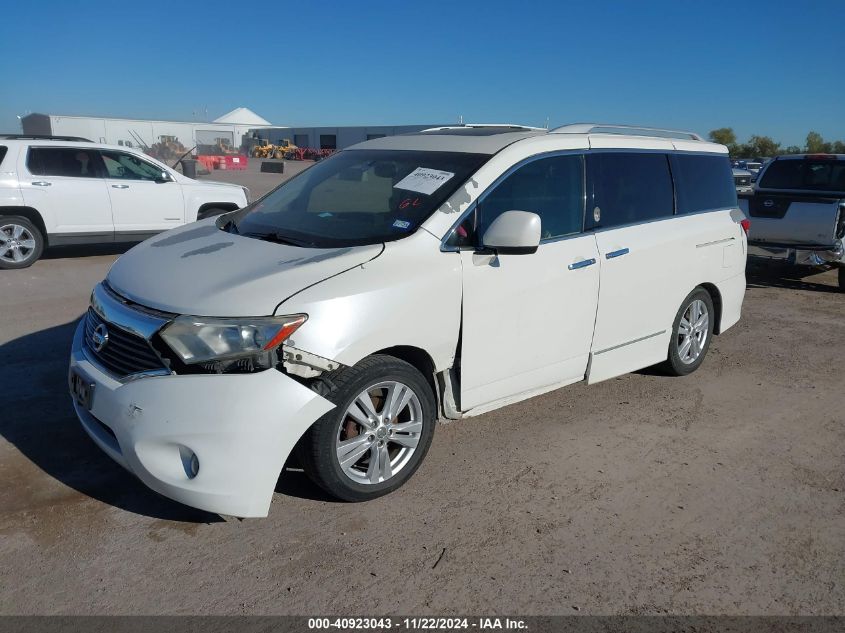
200	339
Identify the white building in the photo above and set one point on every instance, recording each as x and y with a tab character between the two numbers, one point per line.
145	133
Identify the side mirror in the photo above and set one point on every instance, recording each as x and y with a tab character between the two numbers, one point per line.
513	233
164	177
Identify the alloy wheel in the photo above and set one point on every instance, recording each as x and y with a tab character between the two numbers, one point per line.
379	432
17	244
693	330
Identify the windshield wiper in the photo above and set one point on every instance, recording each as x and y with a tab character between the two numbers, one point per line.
279	238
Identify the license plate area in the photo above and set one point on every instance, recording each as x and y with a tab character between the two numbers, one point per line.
81	389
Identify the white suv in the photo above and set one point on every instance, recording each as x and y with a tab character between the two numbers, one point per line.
444	273
63	190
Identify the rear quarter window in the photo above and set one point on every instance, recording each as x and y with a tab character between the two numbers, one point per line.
703	182
629	188
3	151
75	162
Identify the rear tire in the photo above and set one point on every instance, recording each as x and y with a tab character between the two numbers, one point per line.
357	452
692	331
21	243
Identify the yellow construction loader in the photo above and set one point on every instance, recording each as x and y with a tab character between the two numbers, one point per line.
264	149
285	149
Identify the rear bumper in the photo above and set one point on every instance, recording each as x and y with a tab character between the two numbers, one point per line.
241	428
806	255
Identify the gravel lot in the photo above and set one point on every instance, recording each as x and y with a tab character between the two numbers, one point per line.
719	493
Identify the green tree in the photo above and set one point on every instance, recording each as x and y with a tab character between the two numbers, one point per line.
725	136
816	144
741	150
793	149
763	146
838	147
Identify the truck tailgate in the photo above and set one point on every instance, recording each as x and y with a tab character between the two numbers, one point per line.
788	219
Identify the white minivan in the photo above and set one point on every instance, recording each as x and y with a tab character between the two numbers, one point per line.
438	274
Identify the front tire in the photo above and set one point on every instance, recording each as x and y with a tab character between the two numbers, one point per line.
21	243
692	331
376	437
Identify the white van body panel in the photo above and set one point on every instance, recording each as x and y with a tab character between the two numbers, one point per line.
248	277
408	296
642	290
528	319
615	141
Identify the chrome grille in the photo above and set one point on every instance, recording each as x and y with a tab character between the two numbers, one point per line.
124	353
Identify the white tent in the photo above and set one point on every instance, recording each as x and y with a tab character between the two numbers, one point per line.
242	116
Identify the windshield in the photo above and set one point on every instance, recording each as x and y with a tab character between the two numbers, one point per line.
814	174
358	197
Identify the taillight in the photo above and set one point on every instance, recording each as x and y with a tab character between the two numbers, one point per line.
746	225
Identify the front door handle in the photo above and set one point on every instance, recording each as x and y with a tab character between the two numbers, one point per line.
582	264
120	186
41	183
619	253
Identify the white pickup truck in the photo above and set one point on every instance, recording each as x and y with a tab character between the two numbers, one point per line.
797	211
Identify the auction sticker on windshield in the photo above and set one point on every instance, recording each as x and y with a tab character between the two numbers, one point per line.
424	180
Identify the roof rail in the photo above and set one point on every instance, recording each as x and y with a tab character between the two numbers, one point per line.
632	130
43	137
502	126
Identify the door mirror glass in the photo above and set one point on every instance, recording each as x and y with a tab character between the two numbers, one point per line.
513	233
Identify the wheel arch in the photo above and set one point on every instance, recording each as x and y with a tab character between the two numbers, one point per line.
30	214
417	358
716	297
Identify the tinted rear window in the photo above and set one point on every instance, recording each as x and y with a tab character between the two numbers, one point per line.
630	187
703	182
64	161
812	174
2	154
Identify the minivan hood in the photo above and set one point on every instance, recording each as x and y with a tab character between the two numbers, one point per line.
200	270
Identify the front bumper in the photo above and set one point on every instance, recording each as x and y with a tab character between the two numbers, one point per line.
241	427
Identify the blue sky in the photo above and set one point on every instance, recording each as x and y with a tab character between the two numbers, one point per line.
775	68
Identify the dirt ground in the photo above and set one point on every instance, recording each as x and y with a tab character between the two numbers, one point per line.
718	493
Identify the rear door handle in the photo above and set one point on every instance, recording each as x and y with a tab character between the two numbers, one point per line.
582	264
41	183
619	253
120	186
